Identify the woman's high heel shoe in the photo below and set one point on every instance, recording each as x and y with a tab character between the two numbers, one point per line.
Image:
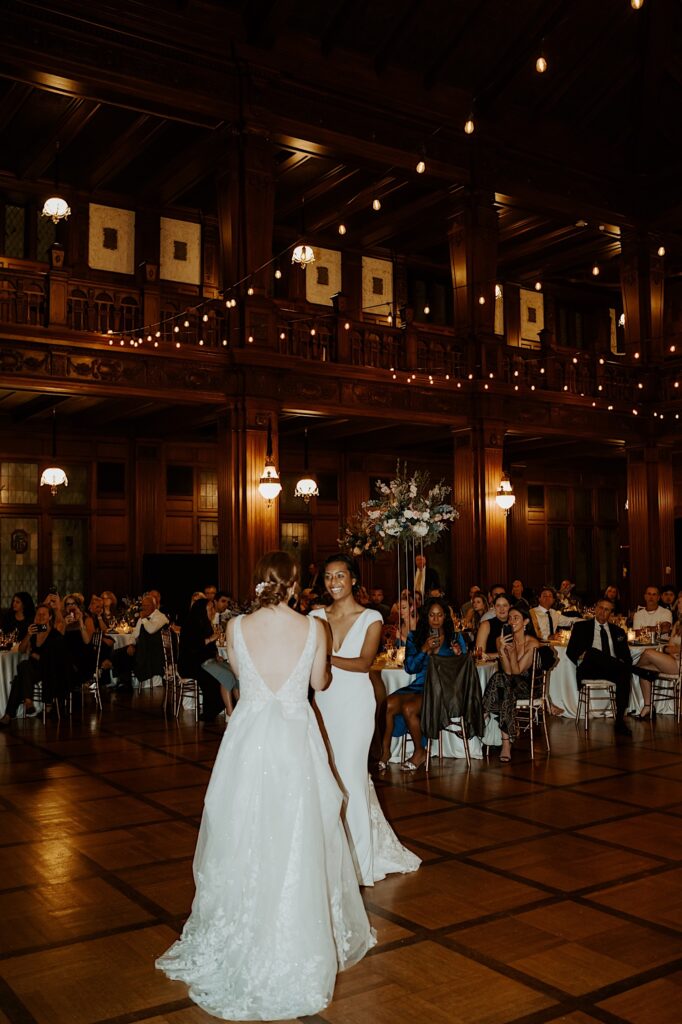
644	715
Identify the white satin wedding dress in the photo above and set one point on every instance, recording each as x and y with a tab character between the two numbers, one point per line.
347	707
277	910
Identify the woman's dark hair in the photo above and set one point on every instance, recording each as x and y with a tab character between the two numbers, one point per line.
350	564
274	575
523	612
26	602
198	619
507	598
422	630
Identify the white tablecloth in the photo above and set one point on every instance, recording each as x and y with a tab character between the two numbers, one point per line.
563	685
394	678
9	661
122	640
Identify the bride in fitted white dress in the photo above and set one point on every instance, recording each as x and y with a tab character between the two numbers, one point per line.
277	910
347	708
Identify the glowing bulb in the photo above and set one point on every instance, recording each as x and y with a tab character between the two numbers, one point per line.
158	334
205	318
176	329
636	4
469	125
278	273
427	310
249	291
156	344
346	326
185	323
636	355
481	300
538	286
201	341
177	344
498	291
661	250
595	271
376	205
541	65
251	339
421	167
342	229
621	320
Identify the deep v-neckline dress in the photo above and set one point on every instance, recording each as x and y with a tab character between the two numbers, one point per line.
277	910
347	708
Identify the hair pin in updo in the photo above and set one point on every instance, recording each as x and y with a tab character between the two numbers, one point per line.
260	587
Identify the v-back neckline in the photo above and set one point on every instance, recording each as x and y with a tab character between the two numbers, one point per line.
253	664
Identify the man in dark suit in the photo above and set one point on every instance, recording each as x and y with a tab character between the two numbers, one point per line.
600	651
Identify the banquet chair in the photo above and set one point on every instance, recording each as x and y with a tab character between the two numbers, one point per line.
591	693
92	685
531	711
175	686
668	687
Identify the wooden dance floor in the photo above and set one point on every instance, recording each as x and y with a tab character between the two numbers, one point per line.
549	892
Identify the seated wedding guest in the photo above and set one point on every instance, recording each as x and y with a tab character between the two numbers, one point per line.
491	627
20	615
655	663
495	590
668	597
210	592
78	632
478	607
612	594
545	618
54	601
109	606
197	645
378	603
408	619
47	663
195	597
467	604
512	681
435	634
600	651
521	597
144	653
652	615
221	610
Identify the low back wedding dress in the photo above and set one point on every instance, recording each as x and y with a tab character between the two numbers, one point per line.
347	708
277	910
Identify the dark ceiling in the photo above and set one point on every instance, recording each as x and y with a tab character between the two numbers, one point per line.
352	94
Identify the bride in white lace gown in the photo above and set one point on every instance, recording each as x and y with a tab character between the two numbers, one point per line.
277	910
347	708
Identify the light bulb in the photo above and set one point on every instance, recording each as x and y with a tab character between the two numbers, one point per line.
595	271
421	167
342	229
376	204
636	4
185	323
661	250
205	318
278	273
541	65
481	300
427	310
469	125
176	329
249	291
538	286
498	291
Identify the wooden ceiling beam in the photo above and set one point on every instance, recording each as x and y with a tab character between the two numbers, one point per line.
125	148
331	180
77	115
12	103
187	168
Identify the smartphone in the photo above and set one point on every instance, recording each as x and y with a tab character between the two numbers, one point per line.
507	630
433	631
41	627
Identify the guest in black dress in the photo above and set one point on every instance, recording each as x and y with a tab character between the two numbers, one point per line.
491	629
20	615
513	680
47	663
197	645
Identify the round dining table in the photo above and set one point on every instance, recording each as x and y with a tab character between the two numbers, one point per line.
9	662
563	683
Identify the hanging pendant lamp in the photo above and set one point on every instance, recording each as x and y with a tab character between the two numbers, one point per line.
269	485
56	207
306	487
54	476
303	253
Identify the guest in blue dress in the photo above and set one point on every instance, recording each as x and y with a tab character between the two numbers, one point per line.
434	634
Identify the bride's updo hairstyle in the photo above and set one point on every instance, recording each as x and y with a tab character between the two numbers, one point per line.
273	578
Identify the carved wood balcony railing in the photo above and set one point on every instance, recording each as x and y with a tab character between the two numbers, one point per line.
299	332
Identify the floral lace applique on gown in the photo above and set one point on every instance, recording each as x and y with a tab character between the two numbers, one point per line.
277	911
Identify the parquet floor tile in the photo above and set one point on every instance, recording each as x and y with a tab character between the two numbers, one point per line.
550	890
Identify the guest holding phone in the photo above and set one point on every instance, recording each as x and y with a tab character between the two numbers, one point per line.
490	629
47	663
434	634
515	649
20	615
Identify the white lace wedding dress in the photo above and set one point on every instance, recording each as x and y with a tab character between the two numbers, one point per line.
347	707
277	910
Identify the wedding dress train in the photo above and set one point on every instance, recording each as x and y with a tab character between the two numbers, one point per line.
277	910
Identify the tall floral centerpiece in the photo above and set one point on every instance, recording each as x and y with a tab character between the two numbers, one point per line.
408	515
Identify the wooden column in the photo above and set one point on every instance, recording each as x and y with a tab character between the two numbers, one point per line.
149	493
480	534
473	236
642	290
246	205
650	518
247	528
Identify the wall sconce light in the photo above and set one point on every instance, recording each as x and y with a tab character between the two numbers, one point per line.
505	496
269	485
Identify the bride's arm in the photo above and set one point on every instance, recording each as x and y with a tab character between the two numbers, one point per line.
320	675
367	654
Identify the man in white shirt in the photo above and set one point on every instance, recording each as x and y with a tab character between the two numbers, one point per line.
221	610
652	615
545	618
144	653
